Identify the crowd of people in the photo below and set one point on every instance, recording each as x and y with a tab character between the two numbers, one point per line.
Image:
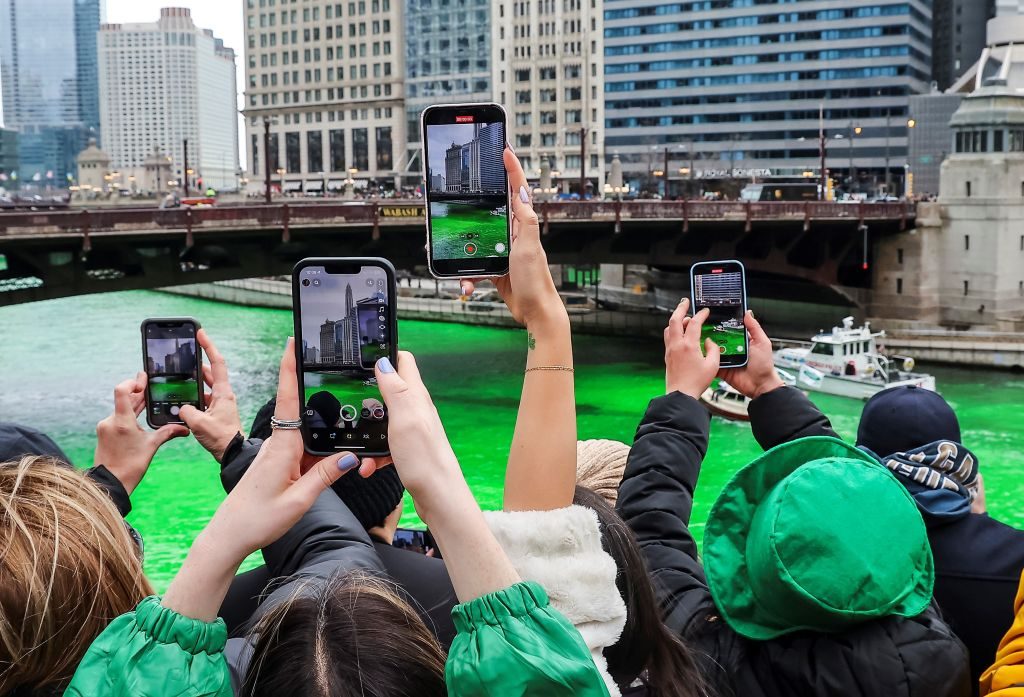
828	568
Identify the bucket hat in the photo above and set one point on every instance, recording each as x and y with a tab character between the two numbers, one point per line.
815	535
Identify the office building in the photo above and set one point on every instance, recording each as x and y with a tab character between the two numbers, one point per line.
547	67
8	157
736	87
1006	8
958	37
475	166
930	140
47	57
328	79
447	60
169	85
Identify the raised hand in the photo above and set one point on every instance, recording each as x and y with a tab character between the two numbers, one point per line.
687	369
758	376
270	498
124	447
218	425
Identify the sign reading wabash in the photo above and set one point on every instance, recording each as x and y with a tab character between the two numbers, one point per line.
401	211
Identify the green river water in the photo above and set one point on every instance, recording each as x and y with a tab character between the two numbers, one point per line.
61	359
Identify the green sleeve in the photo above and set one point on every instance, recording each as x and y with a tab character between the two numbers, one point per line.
155	652
513	643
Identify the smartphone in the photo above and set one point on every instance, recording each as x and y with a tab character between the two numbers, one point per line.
345	321
468	223
721	286
172	359
420	541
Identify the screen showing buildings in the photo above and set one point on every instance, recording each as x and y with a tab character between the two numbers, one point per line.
344	331
171	369
467	190
721	292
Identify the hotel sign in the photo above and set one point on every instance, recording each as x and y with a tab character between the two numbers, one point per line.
401	211
733	173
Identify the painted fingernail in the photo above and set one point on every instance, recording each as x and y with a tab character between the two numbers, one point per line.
348	462
384	364
509	146
523	195
465	289
750	312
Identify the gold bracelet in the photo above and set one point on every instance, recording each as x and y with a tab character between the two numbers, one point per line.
552	367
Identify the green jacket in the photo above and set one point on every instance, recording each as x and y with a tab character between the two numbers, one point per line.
509	643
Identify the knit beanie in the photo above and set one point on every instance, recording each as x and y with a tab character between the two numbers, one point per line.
371	500
599	466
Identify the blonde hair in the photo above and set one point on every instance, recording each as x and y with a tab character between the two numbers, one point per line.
68	566
599	466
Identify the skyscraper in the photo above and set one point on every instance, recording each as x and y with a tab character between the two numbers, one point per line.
47	55
737	85
1007	8
958	36
162	83
491	145
347	331
327	341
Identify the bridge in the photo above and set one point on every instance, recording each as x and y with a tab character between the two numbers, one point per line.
52	254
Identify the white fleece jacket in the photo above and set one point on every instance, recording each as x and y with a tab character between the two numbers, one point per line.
561	550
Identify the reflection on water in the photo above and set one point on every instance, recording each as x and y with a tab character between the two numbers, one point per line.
474	374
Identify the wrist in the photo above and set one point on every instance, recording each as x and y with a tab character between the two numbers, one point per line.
129	478
548	319
436	498
768	386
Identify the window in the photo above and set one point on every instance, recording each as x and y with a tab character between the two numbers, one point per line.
572	72
547	96
523	140
384	149
899	286
573	116
548	118
899	256
360	149
275	161
255	150
292	147
523	97
523	118
547	73
572	161
523	75
967	243
314	151
997	142
967	287
548	139
337	138
822	349
573	94
968	189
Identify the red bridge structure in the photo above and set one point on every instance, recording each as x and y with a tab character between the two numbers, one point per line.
51	254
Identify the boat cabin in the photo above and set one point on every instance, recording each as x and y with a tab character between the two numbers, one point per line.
846	350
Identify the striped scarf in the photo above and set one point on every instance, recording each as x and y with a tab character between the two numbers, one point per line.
942	476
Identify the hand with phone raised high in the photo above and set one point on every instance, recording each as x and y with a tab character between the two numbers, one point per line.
215	427
758	376
687	369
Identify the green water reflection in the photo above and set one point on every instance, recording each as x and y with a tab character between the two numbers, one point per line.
61	359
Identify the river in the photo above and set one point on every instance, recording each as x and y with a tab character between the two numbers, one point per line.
61	359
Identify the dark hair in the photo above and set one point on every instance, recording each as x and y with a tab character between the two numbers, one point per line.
647	648
351	636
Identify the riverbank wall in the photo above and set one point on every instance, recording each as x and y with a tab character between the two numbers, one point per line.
258	292
967	348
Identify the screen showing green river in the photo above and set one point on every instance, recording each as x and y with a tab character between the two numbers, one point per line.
61	359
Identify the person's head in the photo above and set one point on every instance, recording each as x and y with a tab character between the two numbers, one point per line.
372	500
68	567
349	637
900	419
17	441
599	466
647	648
815	535
327	406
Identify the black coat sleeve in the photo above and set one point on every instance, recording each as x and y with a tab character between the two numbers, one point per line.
785	414
106	480
656	499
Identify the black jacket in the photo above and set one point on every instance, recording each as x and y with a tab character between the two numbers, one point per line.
339	541
890	657
978	560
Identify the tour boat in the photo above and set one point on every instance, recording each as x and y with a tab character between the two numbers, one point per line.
847	362
726	401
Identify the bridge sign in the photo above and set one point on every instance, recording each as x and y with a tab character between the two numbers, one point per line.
402	211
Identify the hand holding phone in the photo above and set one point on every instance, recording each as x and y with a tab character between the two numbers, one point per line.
467	192
172	360
721	288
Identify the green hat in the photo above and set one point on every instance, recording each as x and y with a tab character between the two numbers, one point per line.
815	535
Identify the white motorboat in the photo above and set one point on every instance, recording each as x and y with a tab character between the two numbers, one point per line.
848	362
726	401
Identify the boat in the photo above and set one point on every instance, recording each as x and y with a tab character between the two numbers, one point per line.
726	401
500	211
848	362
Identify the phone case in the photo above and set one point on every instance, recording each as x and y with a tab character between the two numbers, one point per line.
426	186
693	294
389	270
199	363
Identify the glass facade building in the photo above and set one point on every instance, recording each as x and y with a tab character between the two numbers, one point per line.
742	87
447	60
48	70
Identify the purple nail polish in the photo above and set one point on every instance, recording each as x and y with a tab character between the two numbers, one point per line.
348	462
523	195
385	365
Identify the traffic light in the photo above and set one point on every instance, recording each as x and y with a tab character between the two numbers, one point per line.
830	192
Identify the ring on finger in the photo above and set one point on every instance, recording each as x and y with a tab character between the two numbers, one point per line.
285	424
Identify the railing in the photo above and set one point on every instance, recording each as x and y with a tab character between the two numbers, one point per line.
393	211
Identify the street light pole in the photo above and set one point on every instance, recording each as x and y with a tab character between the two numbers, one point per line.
583	162
821	139
186	167
266	159
666	173
887	174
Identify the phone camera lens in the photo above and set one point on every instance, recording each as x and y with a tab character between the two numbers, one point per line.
305	282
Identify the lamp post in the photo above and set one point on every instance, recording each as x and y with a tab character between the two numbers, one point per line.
908	186
266	159
854	131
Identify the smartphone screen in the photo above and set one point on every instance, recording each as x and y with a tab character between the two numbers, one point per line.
720	286
344	324
171	358
467	190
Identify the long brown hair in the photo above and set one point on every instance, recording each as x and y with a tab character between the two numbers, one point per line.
68	566
352	636
647	649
